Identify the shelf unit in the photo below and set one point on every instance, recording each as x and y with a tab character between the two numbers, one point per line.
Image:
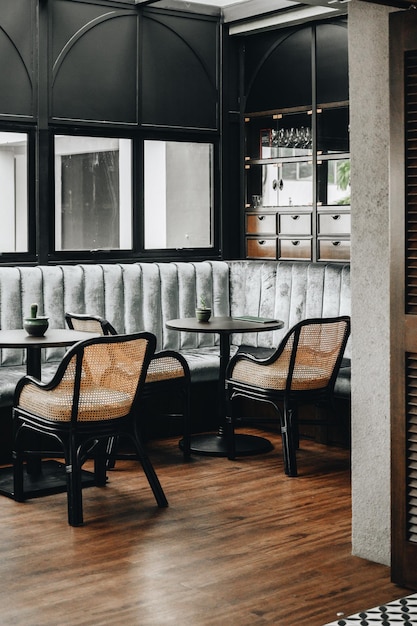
297	183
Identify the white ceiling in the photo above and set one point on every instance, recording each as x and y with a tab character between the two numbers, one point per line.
254	15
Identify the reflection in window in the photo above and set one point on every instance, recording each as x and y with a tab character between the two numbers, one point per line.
333	182
93	193
14	192
178	195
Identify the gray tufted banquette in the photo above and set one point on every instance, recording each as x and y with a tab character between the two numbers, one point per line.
143	296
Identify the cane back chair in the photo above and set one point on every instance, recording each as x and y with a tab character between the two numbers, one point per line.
302	370
95	394
168	376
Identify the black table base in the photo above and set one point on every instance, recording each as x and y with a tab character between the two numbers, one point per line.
50	480
216	445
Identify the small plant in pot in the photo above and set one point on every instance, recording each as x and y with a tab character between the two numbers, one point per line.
35	325
203	312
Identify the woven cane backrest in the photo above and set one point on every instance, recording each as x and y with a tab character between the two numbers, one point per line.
306	359
162	368
99	382
89	323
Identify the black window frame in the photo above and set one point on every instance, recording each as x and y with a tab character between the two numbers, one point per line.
29	256
138	251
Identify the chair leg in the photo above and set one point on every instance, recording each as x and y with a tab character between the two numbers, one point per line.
17	464
111	451
288	443
187	427
100	463
150	473
74	490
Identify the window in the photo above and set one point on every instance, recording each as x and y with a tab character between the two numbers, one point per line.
178	192
14	192
93	193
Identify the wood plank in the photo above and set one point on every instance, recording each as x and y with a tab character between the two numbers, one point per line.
240	544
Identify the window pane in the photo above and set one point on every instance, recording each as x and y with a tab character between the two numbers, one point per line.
93	193
333	182
178	195
14	192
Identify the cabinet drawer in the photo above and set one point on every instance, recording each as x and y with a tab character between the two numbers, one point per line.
261	223
333	250
295	249
261	248
295	224
334	224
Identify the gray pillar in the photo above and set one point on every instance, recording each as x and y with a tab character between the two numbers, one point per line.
369	111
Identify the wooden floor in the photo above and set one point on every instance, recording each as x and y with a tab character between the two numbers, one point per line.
239	545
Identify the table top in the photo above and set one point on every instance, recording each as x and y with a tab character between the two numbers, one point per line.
225	325
54	337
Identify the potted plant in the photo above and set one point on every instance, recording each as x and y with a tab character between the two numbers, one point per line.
203	312
35	325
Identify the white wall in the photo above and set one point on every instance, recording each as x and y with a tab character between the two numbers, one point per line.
369	110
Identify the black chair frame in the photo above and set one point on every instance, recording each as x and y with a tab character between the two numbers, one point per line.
283	401
76	437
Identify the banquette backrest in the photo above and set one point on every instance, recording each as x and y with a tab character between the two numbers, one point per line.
143	296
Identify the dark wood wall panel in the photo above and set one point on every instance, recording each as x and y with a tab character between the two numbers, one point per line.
284	64
94	63
332	62
17	34
179	60
403	250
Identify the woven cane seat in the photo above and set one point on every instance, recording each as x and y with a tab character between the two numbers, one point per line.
164	368
275	376
95	404
314	361
109	379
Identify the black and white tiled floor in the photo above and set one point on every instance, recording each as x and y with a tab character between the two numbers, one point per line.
398	613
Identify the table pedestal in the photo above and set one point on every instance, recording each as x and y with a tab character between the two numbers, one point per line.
216	445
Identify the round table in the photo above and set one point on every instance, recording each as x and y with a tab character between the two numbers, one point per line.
53	338
211	443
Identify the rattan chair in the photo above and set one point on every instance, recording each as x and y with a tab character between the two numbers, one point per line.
303	369
168	377
96	393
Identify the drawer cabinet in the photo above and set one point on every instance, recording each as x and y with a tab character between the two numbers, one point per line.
333	250
261	248
334	223
261	223
295	224
294	249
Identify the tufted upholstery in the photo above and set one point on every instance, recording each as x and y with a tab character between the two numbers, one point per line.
143	296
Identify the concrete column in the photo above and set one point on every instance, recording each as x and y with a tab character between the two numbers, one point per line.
369	110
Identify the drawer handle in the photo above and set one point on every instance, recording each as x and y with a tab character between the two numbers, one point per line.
295	217
336	243
295	243
336	217
261	217
261	242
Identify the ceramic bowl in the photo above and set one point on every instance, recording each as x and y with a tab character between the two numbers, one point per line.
203	315
35	326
